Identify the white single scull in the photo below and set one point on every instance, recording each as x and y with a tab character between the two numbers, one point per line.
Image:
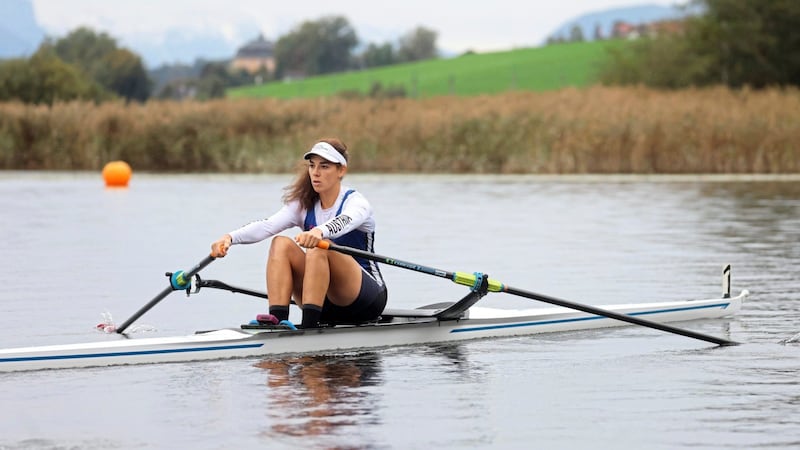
397	328
449	322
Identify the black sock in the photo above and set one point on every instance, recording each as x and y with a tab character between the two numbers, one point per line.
281	312
311	314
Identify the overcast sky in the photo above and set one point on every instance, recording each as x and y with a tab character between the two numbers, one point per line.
480	25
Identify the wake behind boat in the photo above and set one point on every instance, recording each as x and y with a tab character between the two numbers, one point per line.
396	328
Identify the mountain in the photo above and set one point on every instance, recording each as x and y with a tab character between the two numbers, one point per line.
635	15
20	34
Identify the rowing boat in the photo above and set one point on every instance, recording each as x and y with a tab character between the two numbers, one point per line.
396	328
441	322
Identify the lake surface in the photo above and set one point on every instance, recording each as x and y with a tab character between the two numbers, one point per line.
73	250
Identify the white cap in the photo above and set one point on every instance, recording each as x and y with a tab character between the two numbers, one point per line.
326	151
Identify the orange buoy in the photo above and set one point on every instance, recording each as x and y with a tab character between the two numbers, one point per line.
117	174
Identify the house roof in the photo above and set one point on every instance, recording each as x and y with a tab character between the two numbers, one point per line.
257	48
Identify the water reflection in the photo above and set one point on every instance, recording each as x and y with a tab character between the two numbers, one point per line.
752	216
753	191
337	401
320	395
451	358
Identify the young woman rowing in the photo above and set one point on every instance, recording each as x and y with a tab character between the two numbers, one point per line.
330	287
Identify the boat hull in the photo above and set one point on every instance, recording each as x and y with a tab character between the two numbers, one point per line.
478	323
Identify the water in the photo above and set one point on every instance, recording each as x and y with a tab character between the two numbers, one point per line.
73	250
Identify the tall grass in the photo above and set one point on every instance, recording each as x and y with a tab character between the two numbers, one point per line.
593	130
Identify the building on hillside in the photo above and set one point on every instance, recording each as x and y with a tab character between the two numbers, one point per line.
625	30
665	27
255	56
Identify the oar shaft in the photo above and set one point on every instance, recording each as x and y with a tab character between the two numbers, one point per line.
386	260
186	275
496	286
227	287
463	278
144	309
617	316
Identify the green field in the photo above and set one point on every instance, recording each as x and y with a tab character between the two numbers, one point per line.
532	69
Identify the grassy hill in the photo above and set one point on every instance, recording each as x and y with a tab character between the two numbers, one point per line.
533	69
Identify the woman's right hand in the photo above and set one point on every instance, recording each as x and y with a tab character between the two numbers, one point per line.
220	248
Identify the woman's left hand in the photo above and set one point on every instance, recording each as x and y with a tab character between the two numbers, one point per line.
309	239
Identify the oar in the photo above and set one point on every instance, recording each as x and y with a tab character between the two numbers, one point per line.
473	280
178	281
200	283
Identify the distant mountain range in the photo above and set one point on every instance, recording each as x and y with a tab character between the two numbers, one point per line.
20	34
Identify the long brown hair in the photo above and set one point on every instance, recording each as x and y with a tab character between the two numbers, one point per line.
301	189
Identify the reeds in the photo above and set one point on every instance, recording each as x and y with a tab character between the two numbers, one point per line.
593	130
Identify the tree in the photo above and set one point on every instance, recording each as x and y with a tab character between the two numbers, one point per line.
118	70
417	45
216	76
45	78
576	34
752	42
124	74
339	40
732	42
379	55
666	62
317	47
598	32
83	48
212	86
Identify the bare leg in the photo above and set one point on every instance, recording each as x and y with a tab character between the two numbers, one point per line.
285	268
330	274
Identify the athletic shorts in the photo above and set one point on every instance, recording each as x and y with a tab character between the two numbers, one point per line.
367	307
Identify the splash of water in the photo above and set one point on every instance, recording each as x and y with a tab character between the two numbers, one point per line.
108	326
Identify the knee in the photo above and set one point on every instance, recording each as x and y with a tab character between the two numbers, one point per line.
281	245
316	254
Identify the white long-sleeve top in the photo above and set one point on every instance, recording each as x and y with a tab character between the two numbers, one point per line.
356	214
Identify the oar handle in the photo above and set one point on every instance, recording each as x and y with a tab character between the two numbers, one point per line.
181	278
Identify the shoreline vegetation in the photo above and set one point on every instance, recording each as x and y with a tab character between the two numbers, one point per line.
595	130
